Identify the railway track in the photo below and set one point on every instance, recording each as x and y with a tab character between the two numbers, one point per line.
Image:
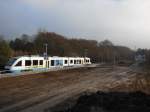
3	72
6	73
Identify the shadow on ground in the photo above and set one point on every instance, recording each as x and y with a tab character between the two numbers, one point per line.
111	102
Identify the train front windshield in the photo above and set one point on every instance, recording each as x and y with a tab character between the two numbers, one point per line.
11	61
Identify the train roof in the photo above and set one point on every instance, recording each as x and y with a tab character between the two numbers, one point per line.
48	56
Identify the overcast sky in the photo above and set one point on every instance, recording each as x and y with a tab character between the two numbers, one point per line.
124	22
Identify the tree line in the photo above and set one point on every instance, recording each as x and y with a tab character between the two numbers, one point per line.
58	45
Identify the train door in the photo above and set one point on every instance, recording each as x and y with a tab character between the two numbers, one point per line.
47	64
82	61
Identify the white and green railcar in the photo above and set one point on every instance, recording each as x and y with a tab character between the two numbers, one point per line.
27	63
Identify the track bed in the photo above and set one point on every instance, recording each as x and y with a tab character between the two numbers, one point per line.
39	92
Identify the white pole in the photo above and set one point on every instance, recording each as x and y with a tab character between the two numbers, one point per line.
46	49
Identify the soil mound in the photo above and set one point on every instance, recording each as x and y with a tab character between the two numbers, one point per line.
112	102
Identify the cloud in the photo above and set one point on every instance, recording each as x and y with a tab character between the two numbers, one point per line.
122	21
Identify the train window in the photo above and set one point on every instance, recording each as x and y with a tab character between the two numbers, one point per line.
75	62
19	63
35	62
11	61
66	61
27	62
52	63
79	61
57	62
71	61
61	62
41	62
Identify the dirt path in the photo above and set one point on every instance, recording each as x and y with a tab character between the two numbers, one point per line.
41	91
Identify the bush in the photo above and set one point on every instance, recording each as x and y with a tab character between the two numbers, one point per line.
5	52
